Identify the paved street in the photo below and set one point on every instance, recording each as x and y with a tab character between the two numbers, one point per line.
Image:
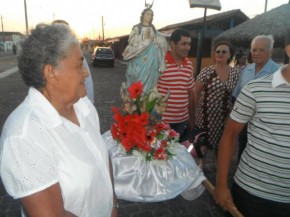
107	83
7	61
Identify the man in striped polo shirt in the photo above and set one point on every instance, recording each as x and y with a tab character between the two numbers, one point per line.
178	79
262	181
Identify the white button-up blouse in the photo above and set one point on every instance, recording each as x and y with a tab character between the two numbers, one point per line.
40	148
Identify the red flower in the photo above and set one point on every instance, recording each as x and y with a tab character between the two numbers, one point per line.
163	143
135	90
150	136
143	118
173	133
144	147
160	154
161	126
134	129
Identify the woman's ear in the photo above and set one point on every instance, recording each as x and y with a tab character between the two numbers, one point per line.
49	74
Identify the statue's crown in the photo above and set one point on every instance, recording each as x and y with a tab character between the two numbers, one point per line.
147	5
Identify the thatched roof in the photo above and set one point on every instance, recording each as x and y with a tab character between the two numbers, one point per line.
217	23
220	21
274	22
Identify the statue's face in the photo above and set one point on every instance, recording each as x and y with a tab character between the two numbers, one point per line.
148	16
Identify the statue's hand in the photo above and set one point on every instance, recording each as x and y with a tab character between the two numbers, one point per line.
147	34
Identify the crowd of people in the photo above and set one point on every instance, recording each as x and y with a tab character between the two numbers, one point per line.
53	156
262	182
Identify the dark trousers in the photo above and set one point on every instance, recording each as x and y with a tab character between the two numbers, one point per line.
253	206
180	128
243	139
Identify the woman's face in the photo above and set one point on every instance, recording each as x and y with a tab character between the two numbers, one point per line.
71	76
222	53
148	16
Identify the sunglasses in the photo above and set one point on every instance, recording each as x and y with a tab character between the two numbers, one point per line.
221	51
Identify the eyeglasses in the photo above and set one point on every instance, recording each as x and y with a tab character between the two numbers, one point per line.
222	51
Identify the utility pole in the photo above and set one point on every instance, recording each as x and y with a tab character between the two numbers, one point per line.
266	3
2	29
200	45
26	21
103	32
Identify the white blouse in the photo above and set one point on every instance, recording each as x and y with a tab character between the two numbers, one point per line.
40	148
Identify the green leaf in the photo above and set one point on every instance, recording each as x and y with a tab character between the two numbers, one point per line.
169	154
150	105
139	104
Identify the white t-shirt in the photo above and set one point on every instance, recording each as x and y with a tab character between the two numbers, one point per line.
40	148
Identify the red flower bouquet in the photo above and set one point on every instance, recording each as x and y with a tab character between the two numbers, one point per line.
138	127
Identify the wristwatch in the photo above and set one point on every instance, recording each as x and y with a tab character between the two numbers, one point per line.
116	205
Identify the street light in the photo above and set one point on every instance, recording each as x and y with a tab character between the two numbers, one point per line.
212	4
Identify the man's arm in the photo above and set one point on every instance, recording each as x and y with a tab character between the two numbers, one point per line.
222	193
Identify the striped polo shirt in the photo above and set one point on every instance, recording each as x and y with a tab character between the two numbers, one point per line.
264	169
178	80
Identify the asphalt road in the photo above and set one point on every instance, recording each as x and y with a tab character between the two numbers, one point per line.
107	82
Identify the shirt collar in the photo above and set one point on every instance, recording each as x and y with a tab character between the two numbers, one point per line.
268	66
47	113
170	60
278	78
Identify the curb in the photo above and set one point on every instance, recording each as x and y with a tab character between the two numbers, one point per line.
8	72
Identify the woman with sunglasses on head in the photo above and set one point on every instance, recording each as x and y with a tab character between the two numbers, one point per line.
213	89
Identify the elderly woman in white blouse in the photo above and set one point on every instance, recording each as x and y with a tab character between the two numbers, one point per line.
52	154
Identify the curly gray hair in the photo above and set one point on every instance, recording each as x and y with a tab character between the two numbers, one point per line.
47	44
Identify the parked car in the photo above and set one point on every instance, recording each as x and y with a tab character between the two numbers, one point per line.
103	56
